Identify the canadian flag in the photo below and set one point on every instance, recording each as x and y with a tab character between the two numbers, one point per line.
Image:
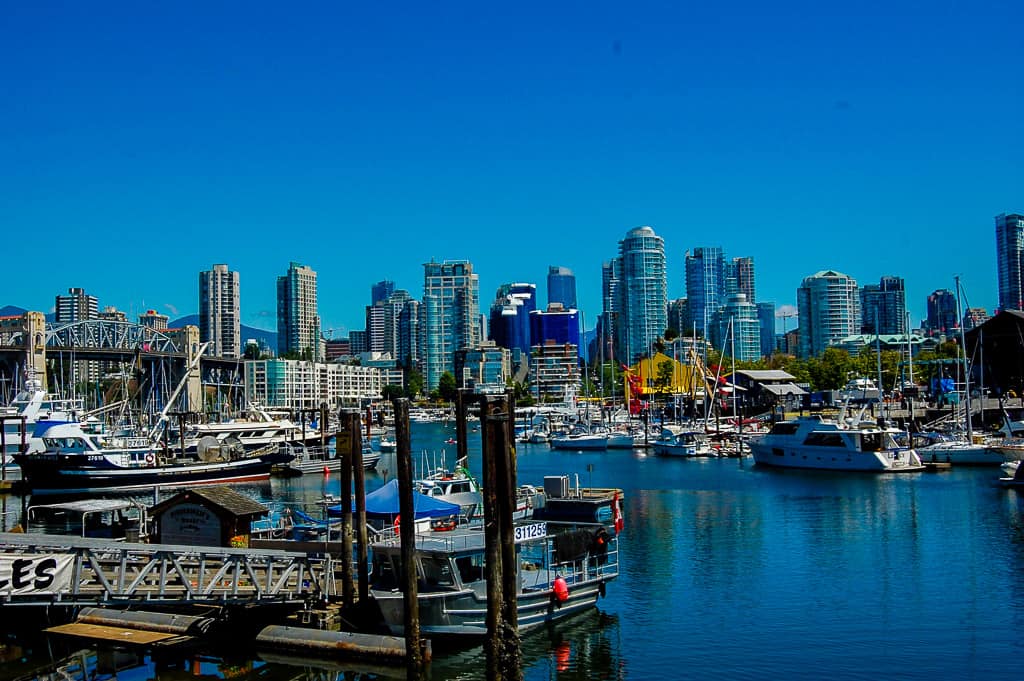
617	518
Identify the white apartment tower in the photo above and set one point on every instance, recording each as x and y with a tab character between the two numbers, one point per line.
219	318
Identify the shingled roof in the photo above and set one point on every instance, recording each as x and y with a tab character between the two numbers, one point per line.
222	497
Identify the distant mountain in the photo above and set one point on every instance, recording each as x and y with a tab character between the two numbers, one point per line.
11	311
248	332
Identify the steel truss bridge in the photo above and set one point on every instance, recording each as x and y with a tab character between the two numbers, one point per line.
107	572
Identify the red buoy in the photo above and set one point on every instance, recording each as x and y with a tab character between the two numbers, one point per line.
561	589
327	471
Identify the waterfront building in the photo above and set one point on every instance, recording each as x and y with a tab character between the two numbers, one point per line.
381	291
483	369
894	342
555	324
886	303
829	309
746	328
510	316
562	287
643	299
298	319
942	312
555	372
390	370
1010	260
410	338
705	288
76	306
975	317
766	321
451	298
219	312
299	384
154	320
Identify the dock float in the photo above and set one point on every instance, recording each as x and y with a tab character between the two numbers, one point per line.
369	647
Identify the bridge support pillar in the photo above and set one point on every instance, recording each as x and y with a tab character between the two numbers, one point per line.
35	346
194	387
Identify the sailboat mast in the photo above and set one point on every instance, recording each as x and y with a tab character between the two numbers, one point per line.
963	348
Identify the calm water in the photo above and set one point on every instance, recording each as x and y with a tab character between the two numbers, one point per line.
734	571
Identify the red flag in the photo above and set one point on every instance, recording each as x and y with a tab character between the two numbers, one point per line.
617	518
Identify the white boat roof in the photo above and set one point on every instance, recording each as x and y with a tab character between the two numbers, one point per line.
59	429
86	505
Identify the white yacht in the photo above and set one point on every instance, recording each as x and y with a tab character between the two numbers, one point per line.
681	441
31	406
854	445
257	430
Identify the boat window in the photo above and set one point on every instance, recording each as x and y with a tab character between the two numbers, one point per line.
825	440
871	442
384	573
471	568
459	487
437	571
784	428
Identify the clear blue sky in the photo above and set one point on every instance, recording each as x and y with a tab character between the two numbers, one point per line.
143	142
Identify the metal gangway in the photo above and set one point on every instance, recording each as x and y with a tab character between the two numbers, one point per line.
40	569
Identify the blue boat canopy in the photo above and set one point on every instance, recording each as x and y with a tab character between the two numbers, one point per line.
383	504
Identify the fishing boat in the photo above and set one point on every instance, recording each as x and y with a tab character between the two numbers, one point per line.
29	406
681	441
315	459
76	462
841	445
562	570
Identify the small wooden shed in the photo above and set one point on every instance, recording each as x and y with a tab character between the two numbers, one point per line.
206	516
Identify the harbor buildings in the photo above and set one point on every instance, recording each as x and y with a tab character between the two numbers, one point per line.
562	287
942	312
642	303
451	315
1010	260
298	319
828	306
886	304
219	312
300	384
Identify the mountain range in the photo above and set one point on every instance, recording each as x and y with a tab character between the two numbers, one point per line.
248	332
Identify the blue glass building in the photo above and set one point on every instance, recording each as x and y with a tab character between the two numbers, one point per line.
555	325
643	298
562	287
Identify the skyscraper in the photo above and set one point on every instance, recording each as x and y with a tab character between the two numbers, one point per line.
219	316
381	291
1009	257
885	302
942	312
742	314
509	325
77	306
705	288
298	321
562	287
608	325
643	298
451	302
739	277
829	309
766	319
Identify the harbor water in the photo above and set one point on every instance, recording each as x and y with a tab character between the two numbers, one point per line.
730	570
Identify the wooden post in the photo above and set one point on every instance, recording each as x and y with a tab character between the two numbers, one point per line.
346	446
324	417
506	497
362	543
408	580
463	397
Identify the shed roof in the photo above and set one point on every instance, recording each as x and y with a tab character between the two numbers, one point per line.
765	374
785	389
225	498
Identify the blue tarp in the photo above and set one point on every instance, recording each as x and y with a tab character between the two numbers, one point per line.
383	503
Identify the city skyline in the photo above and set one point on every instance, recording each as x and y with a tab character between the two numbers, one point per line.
365	143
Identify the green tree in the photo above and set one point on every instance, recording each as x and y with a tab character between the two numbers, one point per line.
671	334
446	387
391	391
663	378
413	383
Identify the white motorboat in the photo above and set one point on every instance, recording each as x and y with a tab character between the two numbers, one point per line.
961	452
580	441
681	441
814	442
258	430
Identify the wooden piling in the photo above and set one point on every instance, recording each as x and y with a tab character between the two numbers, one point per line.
345	447
407	532
463	398
362	542
511	656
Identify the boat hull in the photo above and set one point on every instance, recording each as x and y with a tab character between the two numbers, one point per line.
961	455
580	443
892	461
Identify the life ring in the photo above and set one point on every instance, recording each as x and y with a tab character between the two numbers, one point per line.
398	523
150	459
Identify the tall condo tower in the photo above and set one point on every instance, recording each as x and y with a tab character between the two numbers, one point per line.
706	288
562	287
451	304
942	312
298	322
219	317
643	297
886	303
76	306
1010	260
829	309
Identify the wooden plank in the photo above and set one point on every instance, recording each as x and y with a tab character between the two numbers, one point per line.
108	633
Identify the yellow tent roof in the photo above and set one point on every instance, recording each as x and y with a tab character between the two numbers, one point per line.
685	378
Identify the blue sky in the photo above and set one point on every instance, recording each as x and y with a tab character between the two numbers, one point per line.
143	143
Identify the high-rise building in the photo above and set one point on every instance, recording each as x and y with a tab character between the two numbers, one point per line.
381	291
705	288
942	312
608	324
219	312
154	320
556	325
679	316
76	306
829	309
298	320
375	326
562	287
975	317
509	325
766	320
643	298
746	330
885	302
451	301
739	277
1010	260
112	314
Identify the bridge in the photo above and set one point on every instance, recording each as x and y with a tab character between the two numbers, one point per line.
157	359
39	569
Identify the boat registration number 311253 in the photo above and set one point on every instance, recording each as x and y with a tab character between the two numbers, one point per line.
531	531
